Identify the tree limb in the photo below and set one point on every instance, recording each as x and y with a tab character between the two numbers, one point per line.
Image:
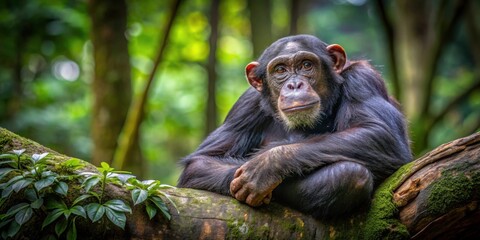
390	35
452	104
435	196
443	34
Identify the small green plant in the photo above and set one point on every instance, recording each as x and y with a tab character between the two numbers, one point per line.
57	208
44	194
147	191
114	209
33	178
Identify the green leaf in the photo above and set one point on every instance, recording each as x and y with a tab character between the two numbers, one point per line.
117	218
151	209
4	222
52	216
139	196
61	226
13	229
44	182
79	211
53	203
7	191
61	188
23	215
170	200
7	156
96	195
11	182
13	210
95	211
87	174
150	182
12	163
166	186
81	198
66	213
161	206
18	152
50	237
21	184
153	187
4	172
104	165
90	182
38	157
113	178
122	177
47	173
37	203
30	194
72	231
105	168
118	205
135	182
124	172
73	163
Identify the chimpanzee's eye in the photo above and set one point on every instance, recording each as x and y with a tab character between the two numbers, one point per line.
307	65
280	69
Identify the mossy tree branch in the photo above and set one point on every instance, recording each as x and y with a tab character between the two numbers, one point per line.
435	196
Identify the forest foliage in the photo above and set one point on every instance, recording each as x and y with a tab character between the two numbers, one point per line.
47	67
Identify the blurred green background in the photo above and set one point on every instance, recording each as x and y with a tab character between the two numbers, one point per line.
71	69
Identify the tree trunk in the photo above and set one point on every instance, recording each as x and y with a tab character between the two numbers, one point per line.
112	87
260	25
434	197
211	109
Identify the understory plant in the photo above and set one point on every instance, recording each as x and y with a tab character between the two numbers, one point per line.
41	187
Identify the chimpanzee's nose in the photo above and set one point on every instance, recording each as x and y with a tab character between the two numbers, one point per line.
295	85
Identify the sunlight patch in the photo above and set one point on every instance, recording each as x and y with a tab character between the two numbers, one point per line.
66	69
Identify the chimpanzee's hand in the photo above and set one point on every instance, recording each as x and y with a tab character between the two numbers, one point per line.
254	181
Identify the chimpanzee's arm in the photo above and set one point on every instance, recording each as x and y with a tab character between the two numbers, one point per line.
375	137
212	166
370	133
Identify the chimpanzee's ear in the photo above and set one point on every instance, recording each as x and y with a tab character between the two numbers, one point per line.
338	55
254	81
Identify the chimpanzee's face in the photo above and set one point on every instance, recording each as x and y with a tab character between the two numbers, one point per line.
296	84
298	77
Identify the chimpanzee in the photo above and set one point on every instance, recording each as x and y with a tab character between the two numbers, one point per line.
315	132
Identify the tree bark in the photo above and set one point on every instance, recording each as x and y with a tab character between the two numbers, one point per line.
439	199
434	197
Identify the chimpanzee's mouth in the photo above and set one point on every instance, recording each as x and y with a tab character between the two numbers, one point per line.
296	107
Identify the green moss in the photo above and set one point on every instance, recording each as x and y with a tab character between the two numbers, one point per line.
452	190
240	230
237	230
382	222
264	229
5	140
